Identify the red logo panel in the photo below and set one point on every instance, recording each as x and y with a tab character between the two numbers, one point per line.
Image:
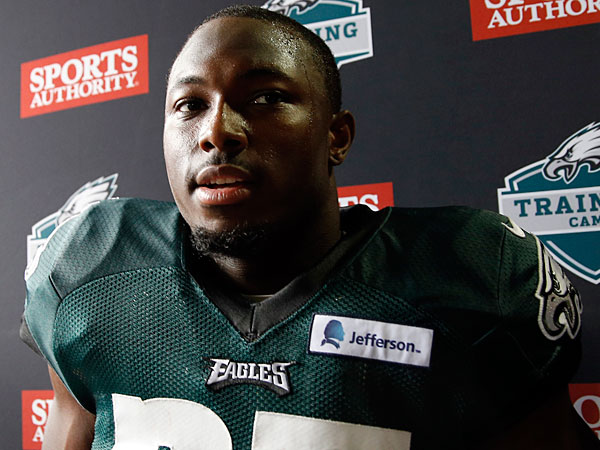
498	18
34	407
89	75
376	196
586	401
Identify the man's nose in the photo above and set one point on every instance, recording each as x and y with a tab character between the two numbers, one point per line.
223	129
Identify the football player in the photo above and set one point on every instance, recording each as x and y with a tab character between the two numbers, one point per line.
253	314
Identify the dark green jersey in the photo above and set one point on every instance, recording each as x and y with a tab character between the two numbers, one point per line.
421	329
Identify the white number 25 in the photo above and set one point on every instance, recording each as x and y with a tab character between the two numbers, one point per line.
176	424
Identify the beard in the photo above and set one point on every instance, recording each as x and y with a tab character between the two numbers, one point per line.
240	242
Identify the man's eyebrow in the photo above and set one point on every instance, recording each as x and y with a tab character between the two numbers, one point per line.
186	81
251	74
265	72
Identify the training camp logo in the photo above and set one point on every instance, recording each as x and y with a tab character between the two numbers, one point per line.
558	199
81	77
93	192
498	18
273	376
343	24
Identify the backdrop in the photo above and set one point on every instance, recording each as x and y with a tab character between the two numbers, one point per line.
489	103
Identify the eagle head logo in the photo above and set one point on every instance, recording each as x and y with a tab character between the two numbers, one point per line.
93	192
285	6
583	148
88	194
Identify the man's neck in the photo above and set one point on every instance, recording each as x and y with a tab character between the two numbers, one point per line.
270	270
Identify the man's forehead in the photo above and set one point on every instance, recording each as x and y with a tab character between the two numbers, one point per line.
253	41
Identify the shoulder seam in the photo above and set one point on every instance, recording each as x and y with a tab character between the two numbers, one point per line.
424	312
87	282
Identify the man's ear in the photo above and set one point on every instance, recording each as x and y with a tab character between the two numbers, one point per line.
341	134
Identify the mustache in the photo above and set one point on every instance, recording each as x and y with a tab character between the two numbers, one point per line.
218	159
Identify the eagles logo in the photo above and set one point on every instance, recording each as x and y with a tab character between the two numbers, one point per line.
560	303
88	194
92	192
273	376
285	6
583	148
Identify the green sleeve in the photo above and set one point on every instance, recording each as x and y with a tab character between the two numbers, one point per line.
540	309
43	301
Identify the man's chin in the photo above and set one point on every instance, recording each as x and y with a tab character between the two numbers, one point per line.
237	241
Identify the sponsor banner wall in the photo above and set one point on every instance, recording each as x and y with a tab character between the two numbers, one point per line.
446	114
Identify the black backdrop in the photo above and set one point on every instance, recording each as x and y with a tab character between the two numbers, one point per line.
442	117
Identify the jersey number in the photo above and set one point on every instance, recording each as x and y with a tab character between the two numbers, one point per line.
176	424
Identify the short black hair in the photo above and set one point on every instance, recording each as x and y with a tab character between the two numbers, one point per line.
321	53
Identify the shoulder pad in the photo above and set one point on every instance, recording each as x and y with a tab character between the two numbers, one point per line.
111	236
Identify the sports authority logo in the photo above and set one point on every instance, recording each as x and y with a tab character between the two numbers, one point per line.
371	339
498	18
558	199
376	196
101	189
586	401
343	24
89	75
273	376
34	413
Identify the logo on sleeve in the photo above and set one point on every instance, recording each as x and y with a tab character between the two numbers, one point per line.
403	344
558	200
560	303
273	376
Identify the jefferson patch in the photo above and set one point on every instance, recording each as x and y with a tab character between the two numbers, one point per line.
403	344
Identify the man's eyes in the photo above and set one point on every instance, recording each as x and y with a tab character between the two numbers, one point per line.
269	98
194	105
190	105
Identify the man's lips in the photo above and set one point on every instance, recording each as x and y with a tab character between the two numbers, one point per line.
222	185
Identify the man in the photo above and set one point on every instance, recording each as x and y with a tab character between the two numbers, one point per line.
207	325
